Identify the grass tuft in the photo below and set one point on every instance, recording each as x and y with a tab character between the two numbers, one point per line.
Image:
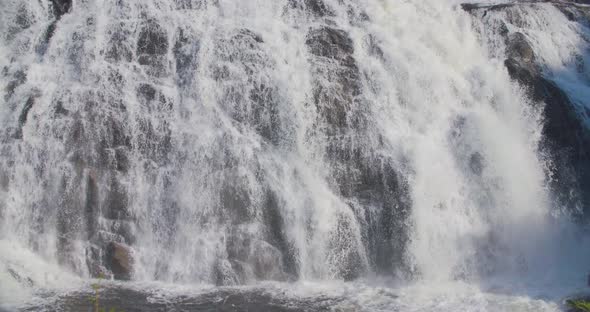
579	305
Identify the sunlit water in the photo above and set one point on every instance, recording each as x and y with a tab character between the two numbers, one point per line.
243	106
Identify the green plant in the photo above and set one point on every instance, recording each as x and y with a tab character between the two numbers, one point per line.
579	304
96	298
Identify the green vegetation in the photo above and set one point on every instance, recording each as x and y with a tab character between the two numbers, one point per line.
579	304
95	299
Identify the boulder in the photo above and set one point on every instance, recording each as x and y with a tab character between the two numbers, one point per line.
119	259
520	49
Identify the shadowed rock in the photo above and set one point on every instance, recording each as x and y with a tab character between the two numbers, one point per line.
315	7
335	95
194	4
118	48
567	139
358	175
19	78
152	47
61	7
252	102
186	50
119	259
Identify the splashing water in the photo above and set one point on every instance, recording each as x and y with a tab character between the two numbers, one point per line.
234	142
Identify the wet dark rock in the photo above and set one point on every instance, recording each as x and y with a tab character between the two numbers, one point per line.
21	279
146	92
122	162
316	7
331	43
476	163
266	261
96	269
265	117
567	139
92	204
152	40
116	203
381	186
22	119
119	259
152	47
576	13
235	200
195	4
152	99
358	175
19	78
518	48
72	214
230	273
4	181
118	48
345	253
186	50
470	7
251	259
154	139
571	9
24	115
336	94
23	18
276	236
373	47
60	110
115	133
252	103
478	6
61	7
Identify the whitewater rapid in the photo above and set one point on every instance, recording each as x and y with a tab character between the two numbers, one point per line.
374	150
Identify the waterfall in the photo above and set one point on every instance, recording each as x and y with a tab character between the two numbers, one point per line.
231	142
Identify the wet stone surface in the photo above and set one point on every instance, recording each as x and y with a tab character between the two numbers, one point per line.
128	300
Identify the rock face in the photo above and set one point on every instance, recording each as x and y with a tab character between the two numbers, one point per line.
61	7
152	46
119	259
472	7
316	7
331	44
359	175
567	139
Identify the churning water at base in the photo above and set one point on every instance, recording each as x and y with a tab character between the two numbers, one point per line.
303	142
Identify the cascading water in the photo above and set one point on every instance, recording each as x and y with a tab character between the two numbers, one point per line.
219	142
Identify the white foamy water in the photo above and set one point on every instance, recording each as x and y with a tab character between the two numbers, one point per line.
234	142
